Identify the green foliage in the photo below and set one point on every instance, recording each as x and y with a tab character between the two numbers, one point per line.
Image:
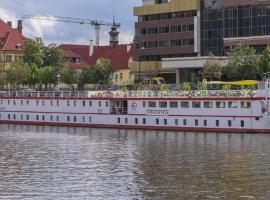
186	86
16	73
264	62
54	56
212	69
226	87
243	63
34	52
69	76
48	75
202	85
33	75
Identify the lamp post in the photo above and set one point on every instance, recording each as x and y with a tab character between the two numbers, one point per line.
58	81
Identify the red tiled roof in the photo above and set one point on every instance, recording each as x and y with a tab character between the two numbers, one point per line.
9	38
118	55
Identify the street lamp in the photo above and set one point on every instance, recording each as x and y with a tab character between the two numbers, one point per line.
58	81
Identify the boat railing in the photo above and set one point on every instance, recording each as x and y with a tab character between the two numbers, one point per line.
131	94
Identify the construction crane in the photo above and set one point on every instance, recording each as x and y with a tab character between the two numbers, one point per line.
95	23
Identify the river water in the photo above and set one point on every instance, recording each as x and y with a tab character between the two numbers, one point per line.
78	163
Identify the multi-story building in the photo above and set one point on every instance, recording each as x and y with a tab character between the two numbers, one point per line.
85	56
166	29
183	33
11	43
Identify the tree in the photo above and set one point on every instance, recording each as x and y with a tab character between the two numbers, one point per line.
16	73
33	75
264	62
69	76
54	56
212	68
48	75
103	71
243	63
34	52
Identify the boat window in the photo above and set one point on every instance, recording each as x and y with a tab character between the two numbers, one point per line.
126	120
14	116
37	117
144	104
107	104
37	102
205	122
217	123
68	118
118	120
229	123
163	104
99	103
90	119
184	122
43	102
196	104
83	103
83	118
74	103
144	121
43	117
14	102
75	119
27	117
242	123
165	121
68	103
184	104
57	118
51	102
176	122
136	121
196	122
245	104
51	118
152	104
157	121
208	104
57	103
8	116
220	104
90	103
21	117
173	104
21	102
233	104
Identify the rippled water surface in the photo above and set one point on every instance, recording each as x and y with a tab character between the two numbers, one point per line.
76	163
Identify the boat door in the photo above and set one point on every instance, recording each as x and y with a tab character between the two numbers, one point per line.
119	107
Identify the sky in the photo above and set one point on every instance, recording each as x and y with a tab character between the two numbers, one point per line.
58	32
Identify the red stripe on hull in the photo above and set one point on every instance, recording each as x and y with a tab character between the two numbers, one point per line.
159	128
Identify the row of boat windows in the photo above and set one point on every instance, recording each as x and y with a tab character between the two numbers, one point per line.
183	122
51	118
197	104
54	102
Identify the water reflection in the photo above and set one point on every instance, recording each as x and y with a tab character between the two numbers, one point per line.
38	162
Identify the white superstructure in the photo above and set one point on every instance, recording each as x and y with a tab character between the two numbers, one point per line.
224	111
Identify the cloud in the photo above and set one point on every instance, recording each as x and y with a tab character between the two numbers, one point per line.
7	15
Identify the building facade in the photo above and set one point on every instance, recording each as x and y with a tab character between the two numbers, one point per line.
11	44
181	34
121	57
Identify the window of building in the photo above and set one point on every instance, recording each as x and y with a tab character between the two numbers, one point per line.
208	104
196	104
121	76
116	77
233	104
163	104
152	104
220	104
8	58
173	104
184	104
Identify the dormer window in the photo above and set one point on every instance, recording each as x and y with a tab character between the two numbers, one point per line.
18	46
